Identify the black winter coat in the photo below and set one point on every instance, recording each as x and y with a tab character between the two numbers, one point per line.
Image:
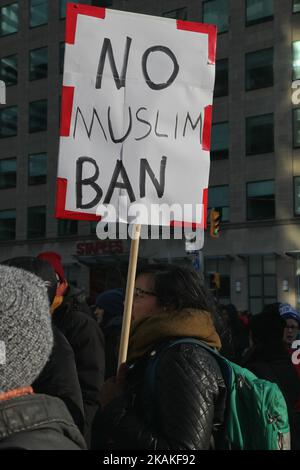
273	363
87	341
37	422
189	404
59	378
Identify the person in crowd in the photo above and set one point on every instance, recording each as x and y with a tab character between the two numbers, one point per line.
86	339
109	315
292	324
66	292
59	377
28	421
269	359
225	333
239	333
190	394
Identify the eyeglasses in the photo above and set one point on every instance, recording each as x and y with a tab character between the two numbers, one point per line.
293	328
138	292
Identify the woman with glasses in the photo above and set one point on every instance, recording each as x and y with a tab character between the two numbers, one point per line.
184	403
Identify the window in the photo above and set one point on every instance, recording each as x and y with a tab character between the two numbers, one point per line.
296	127
261	282
36	222
67	227
219	141
93	227
218	197
9	20
296	60
9	70
221	83
38	12
38	63
100	3
8	173
37	168
260	134
258	11
260	200
8	225
178	14
63	6
216	12
61	56
296	195
296	6
38	116
9	122
259	69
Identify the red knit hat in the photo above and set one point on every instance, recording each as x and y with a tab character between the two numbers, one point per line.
54	259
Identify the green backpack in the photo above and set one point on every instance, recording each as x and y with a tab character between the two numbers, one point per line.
256	416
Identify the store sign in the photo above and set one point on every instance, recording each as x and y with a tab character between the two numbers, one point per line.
99	248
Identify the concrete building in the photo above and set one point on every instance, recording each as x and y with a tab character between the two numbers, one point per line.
255	158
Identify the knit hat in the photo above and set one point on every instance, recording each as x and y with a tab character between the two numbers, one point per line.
287	311
38	267
54	259
112	302
25	328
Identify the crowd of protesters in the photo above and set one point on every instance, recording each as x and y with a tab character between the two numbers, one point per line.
59	383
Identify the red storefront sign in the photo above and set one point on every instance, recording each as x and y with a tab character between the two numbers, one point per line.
105	247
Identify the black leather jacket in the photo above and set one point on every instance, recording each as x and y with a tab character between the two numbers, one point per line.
38	422
189	403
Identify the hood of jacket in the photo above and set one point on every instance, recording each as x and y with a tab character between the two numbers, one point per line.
192	323
38	422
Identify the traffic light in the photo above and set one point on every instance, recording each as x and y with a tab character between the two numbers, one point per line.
215	218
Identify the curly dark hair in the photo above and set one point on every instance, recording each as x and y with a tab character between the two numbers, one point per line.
179	287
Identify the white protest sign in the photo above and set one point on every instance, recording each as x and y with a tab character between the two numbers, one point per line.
136	117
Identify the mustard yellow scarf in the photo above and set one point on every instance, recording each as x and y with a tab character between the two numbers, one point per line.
155	328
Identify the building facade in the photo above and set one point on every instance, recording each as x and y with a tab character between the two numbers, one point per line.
255	153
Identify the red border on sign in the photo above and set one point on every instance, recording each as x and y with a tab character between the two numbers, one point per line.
73	10
193	225
206	138
204	212
67	98
208	29
60	212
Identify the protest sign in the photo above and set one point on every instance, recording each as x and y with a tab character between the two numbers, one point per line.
135	118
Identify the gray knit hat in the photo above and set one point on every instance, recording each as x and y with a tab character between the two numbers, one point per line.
26	336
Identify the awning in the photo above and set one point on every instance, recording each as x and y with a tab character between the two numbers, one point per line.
293	254
218	257
94	260
247	255
104	260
